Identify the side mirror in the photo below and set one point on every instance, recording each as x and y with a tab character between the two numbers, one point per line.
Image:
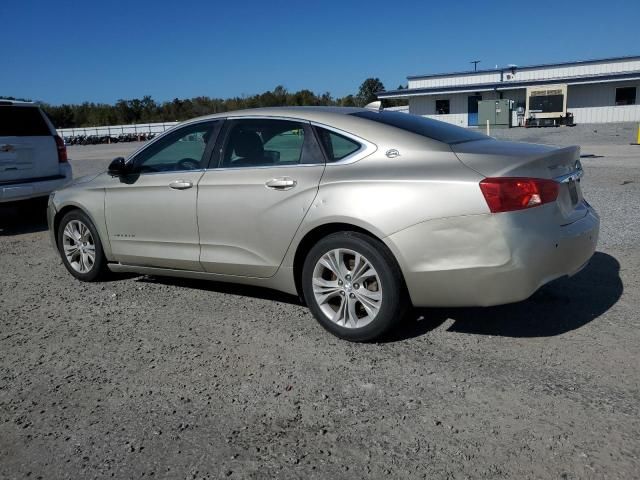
117	167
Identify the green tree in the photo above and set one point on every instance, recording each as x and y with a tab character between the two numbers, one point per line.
368	90
147	110
348	101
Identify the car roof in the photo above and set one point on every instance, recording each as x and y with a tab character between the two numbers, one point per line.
337	117
16	103
306	113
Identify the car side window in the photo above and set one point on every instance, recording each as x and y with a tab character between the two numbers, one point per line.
181	150
336	146
259	143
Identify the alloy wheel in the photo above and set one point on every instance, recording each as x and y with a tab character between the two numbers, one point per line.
79	246
347	288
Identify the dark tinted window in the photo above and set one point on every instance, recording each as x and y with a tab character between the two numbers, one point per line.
22	122
626	96
335	145
261	143
547	103
427	127
442	107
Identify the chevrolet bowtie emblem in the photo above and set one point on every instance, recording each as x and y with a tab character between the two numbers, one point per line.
7	148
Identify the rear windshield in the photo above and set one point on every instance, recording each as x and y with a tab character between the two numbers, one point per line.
22	122
427	127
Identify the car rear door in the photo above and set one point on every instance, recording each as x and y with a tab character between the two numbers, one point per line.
252	202
28	150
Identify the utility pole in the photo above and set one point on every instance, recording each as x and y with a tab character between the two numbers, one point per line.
475	64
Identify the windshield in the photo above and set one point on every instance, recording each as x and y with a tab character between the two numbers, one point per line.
427	127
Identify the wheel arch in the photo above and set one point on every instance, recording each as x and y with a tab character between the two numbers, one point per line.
314	235
66	209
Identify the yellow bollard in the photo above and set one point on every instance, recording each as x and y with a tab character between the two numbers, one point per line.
638	138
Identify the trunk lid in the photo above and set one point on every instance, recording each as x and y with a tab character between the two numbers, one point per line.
493	158
27	157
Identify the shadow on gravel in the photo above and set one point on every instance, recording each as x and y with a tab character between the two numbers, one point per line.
28	216
561	306
417	322
229	288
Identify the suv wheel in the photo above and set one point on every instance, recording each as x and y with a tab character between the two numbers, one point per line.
80	247
353	286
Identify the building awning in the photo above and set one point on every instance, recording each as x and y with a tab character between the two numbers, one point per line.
510	85
524	68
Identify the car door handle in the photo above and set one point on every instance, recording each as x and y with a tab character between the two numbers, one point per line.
180	185
282	183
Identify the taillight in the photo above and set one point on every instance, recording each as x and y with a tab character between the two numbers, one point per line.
507	194
62	149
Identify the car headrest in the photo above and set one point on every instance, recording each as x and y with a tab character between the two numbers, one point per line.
247	144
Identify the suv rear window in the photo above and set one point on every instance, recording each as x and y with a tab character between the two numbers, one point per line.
22	122
427	127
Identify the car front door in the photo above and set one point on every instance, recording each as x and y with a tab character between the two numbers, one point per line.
265	179
151	211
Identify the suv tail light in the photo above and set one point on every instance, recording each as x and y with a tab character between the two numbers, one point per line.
507	194
62	149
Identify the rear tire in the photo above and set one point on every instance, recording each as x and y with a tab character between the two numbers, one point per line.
353	286
80	247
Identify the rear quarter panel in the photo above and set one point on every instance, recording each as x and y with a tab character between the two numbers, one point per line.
385	195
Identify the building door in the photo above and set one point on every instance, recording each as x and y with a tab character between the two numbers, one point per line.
472	109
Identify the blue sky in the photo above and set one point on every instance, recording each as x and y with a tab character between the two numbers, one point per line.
70	52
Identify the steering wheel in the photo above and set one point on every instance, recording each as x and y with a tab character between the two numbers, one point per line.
188	164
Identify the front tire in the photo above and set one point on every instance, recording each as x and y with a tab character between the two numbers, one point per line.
80	247
353	286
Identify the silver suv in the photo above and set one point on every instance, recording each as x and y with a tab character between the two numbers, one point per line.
33	158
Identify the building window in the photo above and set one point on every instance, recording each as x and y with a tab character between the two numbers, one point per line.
442	107
546	101
626	96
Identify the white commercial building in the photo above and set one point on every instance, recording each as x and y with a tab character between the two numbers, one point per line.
594	91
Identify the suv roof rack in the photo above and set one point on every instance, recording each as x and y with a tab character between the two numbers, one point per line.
6	101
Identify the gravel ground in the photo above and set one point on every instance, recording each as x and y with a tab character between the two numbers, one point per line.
149	377
584	135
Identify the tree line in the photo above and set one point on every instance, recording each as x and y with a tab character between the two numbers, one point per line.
147	110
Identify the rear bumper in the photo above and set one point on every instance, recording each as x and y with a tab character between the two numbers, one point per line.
36	187
484	260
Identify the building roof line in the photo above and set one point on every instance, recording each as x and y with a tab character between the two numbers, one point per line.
524	67
510	85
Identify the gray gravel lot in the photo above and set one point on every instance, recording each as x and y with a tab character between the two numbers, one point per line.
163	378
